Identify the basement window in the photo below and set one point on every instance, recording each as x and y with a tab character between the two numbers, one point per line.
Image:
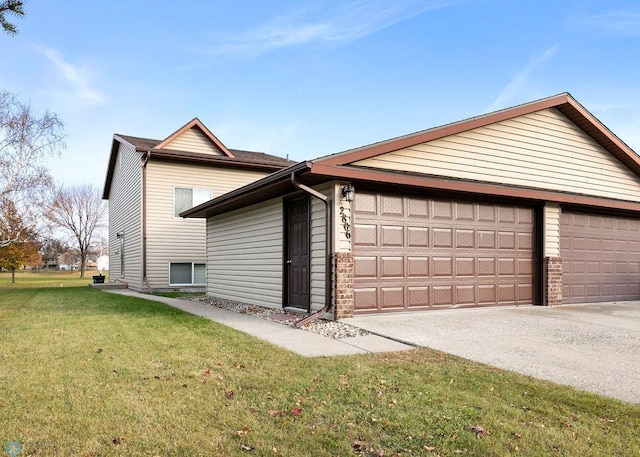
187	274
185	198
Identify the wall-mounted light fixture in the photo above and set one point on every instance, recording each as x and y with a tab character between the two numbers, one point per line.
347	192
120	234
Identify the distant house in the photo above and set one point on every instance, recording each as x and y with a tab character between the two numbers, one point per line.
535	204
150	182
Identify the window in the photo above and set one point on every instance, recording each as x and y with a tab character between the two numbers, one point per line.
183	274
185	198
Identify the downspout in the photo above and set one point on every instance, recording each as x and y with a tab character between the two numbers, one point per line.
328	250
145	161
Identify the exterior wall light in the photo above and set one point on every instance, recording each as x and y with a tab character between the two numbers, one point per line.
120	235
347	192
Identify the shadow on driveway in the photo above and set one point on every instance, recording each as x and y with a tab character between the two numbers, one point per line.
594	347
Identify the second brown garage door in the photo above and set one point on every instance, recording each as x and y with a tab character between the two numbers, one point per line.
414	253
601	258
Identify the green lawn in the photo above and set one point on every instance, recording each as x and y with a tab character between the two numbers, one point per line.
87	373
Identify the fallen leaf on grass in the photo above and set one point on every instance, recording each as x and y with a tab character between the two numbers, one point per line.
244	431
244	447
229	394
296	411
479	431
206	373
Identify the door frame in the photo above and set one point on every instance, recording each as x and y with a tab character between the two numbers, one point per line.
285	249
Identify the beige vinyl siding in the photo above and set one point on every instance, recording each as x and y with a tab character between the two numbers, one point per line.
173	239
125	215
542	150
193	140
551	230
244	254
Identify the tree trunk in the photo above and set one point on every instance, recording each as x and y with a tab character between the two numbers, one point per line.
13	276
83	261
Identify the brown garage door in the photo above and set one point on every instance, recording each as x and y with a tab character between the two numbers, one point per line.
414	253
601	258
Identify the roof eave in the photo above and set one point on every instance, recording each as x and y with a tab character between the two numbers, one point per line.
273	185
117	140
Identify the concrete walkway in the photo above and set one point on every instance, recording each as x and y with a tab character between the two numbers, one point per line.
594	347
301	342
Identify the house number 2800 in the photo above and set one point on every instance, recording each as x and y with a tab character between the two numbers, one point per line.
345	223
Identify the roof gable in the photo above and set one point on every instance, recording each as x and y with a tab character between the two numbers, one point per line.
194	137
564	103
542	150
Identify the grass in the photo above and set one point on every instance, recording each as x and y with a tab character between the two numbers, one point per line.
87	373
29	279
179	294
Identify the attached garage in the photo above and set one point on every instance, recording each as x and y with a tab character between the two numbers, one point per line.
601	257
417	253
538	204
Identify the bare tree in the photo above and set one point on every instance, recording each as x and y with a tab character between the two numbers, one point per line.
26	142
80	212
14	7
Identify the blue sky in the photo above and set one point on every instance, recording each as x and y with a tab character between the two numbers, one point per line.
310	78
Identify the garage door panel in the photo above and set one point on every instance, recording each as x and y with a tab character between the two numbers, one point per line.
466	294
392	297
418	296
487	294
366	298
392	236
486	266
442	210
418	237
365	235
365	267
391	206
418	267
442	238
486	239
465	266
600	256
506	293
525	241
435	253
392	267
525	293
465	238
442	295
442	266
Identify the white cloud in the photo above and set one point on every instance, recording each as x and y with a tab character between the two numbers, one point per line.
513	90
625	22
337	22
74	75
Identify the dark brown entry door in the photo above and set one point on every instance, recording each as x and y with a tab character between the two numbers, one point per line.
297	253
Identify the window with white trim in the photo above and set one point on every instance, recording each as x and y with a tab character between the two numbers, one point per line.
186	197
187	274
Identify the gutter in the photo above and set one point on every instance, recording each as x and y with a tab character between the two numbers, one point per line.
328	248
145	161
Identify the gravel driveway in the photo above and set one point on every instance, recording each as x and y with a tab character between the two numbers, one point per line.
594	347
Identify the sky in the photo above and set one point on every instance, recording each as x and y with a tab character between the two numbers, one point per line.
310	78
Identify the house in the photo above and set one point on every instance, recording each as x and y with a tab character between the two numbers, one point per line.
149	182
535	204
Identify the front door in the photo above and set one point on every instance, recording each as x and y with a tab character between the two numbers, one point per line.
297	256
